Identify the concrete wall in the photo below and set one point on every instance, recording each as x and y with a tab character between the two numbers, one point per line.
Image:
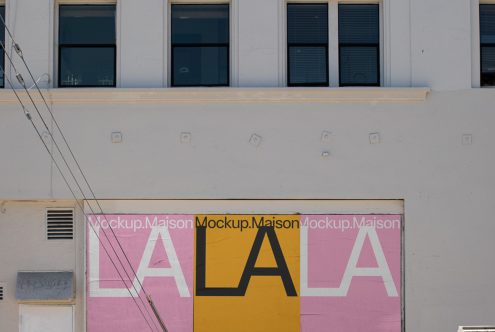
447	186
422	157
24	247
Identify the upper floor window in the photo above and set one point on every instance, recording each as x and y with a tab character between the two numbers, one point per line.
200	45
2	56
359	45
307	44
87	49
345	53
487	44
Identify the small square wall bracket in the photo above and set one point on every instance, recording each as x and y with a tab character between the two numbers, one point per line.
374	138
116	137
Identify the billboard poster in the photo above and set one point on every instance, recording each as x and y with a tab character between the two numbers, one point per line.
160	250
245	272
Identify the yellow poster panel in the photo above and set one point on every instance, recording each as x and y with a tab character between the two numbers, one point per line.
247	273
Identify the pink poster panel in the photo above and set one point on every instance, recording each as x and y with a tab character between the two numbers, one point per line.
160	250
351	273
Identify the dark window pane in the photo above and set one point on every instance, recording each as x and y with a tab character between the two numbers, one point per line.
487	23
488	59
193	66
359	23
2	56
200	24
87	24
358	65
307	24
308	65
2	64
87	66
488	66
2	31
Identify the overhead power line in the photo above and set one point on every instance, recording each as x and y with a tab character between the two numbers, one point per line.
22	82
29	117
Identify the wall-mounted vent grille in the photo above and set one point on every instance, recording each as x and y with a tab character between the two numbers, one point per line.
1	293
485	328
60	224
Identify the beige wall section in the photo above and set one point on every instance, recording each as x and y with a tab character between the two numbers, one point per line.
245	206
24	247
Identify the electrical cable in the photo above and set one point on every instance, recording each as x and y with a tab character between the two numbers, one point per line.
23	84
29	117
20	54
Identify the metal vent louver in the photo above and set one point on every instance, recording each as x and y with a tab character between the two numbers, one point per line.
60	224
1	293
486	328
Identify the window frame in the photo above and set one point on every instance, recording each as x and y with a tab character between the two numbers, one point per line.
57	45
289	45
481	44
333	41
229	45
4	5
376	45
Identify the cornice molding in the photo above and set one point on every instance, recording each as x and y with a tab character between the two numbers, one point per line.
221	95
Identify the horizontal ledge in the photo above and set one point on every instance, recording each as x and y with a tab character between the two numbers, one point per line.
219	95
248	206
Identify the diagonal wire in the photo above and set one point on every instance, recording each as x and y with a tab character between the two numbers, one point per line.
22	82
28	116
20	54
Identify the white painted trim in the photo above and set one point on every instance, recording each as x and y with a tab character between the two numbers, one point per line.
54	62
282	43
53	43
249	206
166	44
80	267
385	47
333	43
118	43
234	43
475	44
226	95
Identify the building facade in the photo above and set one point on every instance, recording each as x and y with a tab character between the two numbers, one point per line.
310	113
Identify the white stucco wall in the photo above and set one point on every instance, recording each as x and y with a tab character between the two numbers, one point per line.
24	247
447	186
425	43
